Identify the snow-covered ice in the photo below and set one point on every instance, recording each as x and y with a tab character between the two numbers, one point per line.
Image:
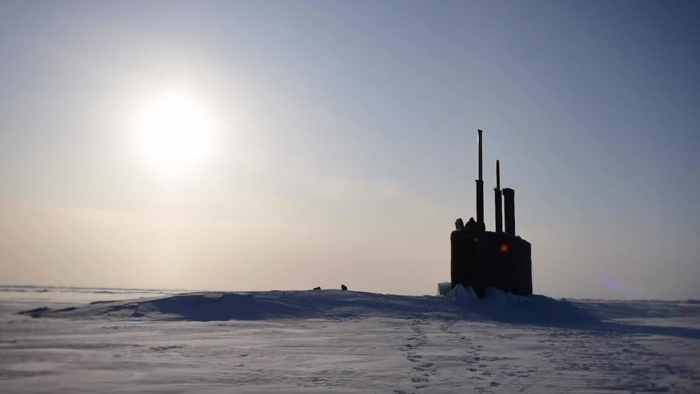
128	341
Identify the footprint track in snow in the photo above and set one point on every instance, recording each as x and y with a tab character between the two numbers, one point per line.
421	372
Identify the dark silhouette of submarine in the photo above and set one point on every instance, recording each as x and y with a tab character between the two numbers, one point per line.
499	259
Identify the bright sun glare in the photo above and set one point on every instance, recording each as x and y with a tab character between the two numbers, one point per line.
174	132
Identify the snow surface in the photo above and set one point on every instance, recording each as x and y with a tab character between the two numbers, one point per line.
87	341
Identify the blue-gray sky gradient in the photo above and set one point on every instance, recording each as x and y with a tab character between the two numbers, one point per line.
348	140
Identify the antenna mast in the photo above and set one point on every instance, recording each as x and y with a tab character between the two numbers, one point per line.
480	189
498	199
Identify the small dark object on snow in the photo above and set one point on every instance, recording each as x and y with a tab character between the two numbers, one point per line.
317	288
343	287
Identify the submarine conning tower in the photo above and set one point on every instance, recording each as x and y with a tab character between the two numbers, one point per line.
499	258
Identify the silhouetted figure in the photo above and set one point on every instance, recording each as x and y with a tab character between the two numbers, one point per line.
317	288
471	224
343	287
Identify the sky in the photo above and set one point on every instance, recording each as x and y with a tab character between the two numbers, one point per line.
255	145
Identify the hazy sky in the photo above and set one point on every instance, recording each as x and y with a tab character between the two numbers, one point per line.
320	143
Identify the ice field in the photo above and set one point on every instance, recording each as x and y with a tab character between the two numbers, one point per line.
130	341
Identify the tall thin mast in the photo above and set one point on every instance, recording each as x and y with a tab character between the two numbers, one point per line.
498	199
498	175
480	189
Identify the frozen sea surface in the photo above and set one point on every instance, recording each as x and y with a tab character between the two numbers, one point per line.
142	341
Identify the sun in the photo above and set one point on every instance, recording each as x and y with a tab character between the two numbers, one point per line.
174	132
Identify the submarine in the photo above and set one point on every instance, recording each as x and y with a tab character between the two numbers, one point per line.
499	258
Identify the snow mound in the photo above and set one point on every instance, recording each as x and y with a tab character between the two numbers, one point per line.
460	303
534	309
328	304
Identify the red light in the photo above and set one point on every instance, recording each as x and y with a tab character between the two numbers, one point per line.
505	248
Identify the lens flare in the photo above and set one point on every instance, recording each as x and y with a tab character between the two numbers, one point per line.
619	287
